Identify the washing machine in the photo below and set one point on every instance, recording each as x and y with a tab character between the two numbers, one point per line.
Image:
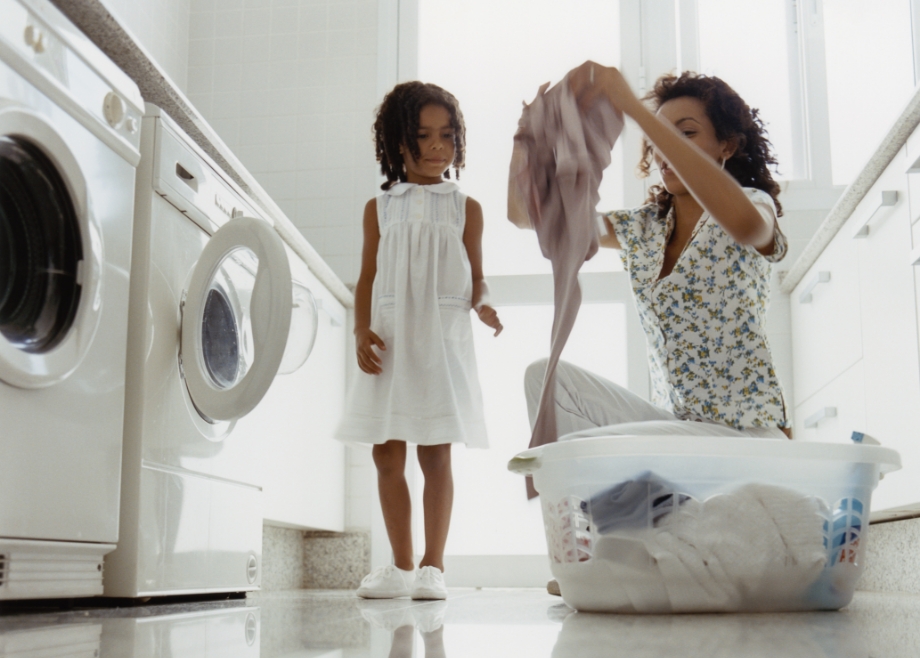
211	306
69	147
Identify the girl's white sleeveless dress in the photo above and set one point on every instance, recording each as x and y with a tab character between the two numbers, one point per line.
428	392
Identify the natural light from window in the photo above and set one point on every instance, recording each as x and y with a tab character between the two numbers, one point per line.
870	77
492	515
492	55
761	75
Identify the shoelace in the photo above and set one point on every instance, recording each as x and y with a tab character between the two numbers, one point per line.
379	573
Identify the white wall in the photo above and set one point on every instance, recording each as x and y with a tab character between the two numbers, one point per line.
162	29
291	86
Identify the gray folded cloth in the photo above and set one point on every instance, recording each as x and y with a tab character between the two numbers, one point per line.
636	504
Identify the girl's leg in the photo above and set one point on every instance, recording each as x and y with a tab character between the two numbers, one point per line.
390	459
438	500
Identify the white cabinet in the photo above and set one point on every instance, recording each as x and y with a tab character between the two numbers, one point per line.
856	346
831	414
826	334
303	466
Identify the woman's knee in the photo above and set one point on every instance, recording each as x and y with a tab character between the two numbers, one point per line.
534	374
390	457
434	459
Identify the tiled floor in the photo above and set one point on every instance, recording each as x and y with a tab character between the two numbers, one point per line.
470	624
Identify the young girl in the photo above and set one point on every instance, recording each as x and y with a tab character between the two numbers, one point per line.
421	273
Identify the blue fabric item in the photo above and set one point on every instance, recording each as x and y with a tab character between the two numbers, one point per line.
634	504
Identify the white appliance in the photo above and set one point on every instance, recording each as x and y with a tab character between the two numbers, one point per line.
69	145
210	313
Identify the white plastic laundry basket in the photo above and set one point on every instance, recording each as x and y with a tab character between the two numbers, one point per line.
649	524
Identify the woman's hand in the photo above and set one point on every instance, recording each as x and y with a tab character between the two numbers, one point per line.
591	81
489	317
368	360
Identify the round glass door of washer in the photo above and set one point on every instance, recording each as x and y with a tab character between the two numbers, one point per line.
45	272
236	319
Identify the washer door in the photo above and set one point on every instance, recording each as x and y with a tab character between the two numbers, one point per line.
50	255
235	319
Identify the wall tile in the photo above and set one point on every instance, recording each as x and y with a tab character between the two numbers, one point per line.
200	53
311	101
284	49
228	23
312	18
226	78
226	105
310	127
202	24
340	240
227	51
310	160
283	75
343	16
254	104
200	79
309	210
257	49
311	185
198	6
339	182
311	45
257	22
284	19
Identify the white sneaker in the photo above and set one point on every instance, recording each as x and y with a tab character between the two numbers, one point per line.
429	584
387	582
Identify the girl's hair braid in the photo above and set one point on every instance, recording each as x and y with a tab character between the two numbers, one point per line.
396	124
732	118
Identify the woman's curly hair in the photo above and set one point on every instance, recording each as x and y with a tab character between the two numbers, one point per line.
732	119
397	124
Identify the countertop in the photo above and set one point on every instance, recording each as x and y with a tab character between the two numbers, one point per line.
156	87
855	191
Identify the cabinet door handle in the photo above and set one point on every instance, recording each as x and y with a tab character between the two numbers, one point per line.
820	277
818	416
889	198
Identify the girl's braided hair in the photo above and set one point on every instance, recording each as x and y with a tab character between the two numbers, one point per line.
732	118
396	124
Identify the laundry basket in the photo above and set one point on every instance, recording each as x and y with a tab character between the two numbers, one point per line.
661	524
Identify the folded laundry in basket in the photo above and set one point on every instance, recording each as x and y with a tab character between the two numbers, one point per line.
633	504
764	541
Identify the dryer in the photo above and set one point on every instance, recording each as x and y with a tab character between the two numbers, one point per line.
210	313
69	146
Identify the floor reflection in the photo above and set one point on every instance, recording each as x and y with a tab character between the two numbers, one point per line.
471	624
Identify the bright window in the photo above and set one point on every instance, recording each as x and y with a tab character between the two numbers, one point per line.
492	515
492	55
761	75
870	77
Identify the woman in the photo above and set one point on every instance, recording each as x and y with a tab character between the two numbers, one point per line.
699	254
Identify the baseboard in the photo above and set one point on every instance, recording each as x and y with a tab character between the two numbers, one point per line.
497	570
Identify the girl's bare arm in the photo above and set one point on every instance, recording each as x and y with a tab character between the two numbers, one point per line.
472	240
365	339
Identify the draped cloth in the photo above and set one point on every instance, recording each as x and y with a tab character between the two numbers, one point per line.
560	153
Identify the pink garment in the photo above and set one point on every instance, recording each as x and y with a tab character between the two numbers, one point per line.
559	156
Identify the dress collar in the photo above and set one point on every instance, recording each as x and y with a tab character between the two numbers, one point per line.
445	187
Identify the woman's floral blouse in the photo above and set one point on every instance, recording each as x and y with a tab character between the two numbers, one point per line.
706	321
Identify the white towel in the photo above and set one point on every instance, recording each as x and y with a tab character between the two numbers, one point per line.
759	542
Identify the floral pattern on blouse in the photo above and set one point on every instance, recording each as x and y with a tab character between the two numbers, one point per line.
706	321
